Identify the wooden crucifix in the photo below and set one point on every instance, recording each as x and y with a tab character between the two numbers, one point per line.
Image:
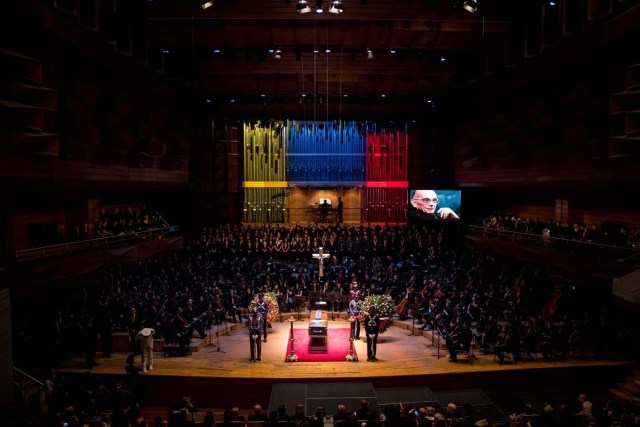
320	256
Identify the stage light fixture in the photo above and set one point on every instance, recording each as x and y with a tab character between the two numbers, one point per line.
470	5
278	54
337	7
319	8
369	54
303	7
207	5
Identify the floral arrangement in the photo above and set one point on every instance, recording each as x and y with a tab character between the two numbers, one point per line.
272	302
383	305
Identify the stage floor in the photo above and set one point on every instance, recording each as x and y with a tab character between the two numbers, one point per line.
399	352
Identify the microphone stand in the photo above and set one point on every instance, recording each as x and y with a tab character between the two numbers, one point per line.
218	348
226	331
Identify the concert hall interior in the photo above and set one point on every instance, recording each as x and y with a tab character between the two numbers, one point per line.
425	211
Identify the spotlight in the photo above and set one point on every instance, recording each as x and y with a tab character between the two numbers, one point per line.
470	5
319	6
207	5
303	6
336	7
278	54
369	54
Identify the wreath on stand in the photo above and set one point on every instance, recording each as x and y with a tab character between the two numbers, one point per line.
272	302
383	305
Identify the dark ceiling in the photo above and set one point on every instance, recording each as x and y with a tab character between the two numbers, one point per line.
421	50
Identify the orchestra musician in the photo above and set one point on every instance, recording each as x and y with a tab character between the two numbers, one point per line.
460	340
402	309
354	291
502	343
218	309
233	307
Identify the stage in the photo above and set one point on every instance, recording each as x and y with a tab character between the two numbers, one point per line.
221	374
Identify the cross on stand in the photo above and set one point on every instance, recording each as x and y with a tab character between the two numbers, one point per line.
320	256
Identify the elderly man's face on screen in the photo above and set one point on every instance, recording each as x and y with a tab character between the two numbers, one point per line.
425	200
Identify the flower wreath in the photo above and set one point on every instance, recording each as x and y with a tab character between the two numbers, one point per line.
384	306
272	302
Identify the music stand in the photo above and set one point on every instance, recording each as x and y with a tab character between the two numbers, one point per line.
209	328
281	305
413	321
297	301
433	331
226	331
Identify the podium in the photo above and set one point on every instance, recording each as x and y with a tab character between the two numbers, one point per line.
318	327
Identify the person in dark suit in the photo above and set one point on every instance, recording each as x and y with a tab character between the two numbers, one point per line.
372	328
324	209
339	210
134	324
90	340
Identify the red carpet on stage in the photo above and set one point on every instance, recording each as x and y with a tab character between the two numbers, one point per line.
337	346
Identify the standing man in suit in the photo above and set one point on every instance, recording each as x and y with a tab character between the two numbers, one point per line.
339	209
372	328
134	324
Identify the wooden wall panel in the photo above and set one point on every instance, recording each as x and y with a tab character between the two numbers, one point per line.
300	199
6	350
572	214
20	166
21	224
542	212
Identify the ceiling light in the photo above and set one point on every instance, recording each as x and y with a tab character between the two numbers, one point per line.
369	54
470	5
278	54
303	6
319	6
336	7
207	5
